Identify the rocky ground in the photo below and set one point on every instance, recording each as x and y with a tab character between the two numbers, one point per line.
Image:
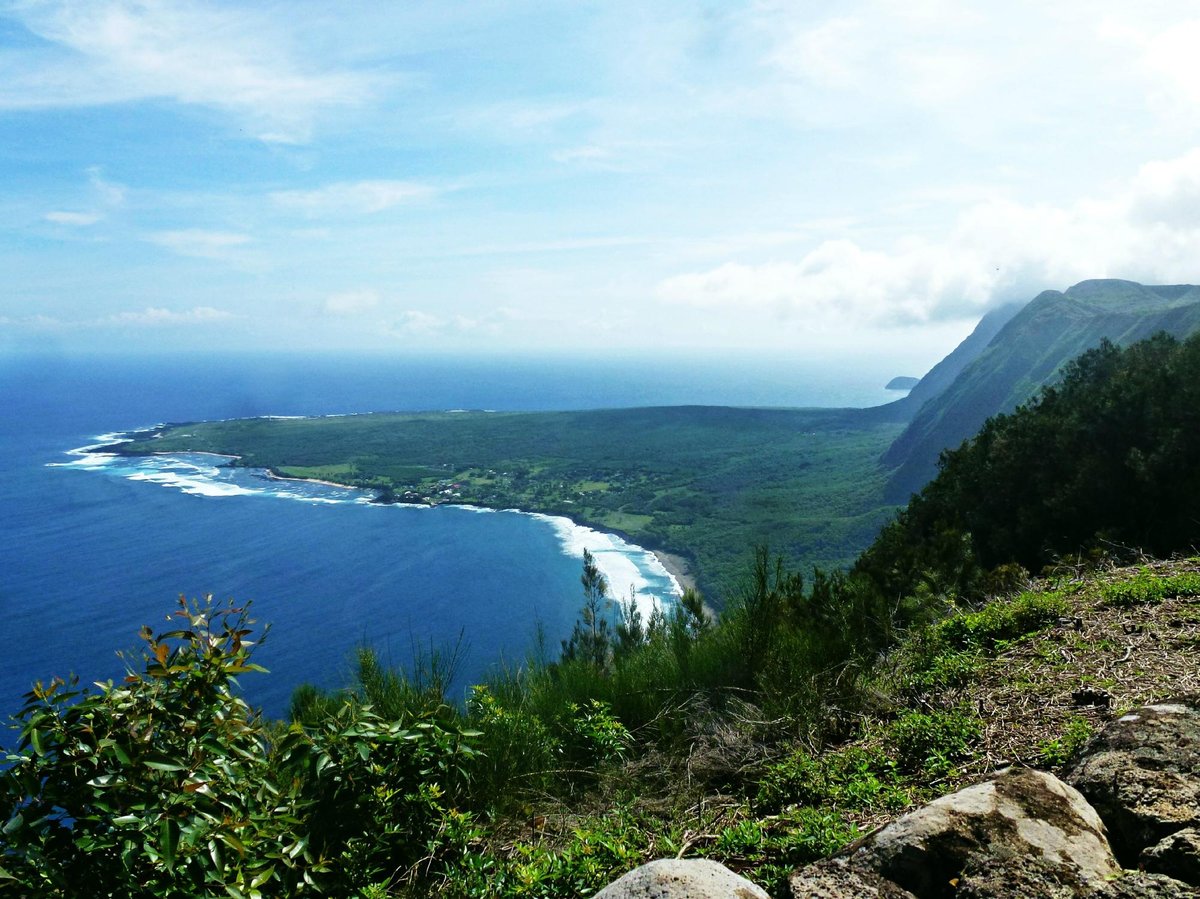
1105	701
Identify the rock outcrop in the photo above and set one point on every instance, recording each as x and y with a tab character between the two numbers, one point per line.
1142	774
1177	855
1024	834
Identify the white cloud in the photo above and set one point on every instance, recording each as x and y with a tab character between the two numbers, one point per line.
997	251
353	197
222	245
351	302
75	219
113	51
413	322
155	315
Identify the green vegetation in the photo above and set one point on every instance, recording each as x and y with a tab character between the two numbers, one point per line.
1103	462
169	785
1026	355
1148	588
814	708
705	483
1057	752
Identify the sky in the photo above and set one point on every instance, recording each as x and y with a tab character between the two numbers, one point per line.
823	179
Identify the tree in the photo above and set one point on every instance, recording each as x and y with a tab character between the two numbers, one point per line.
590	640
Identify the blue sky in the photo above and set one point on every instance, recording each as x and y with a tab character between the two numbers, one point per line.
828	179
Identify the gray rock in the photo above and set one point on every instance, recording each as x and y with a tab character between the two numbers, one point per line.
1140	885
1027	822
1176	856
670	878
833	879
1142	774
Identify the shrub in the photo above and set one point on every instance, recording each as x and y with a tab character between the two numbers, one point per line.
1147	587
169	785
159	786
850	778
1000	620
1057	752
930	742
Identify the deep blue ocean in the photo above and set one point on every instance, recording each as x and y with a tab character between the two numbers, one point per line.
92	549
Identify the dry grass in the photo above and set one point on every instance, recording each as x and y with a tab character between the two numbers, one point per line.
1096	663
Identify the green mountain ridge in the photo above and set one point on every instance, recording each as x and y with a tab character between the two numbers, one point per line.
1027	352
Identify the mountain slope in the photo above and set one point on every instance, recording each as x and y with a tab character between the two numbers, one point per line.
1028	352
942	375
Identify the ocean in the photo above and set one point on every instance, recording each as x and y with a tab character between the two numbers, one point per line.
92	548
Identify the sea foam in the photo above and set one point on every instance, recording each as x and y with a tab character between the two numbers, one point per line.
630	570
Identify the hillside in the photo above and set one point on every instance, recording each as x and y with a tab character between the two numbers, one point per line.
812	710
941	376
1027	679
1028	351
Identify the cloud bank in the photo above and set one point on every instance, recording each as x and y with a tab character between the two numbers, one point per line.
996	252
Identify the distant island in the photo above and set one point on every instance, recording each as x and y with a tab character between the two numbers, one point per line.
902	382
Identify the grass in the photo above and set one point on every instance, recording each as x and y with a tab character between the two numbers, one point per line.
1146	588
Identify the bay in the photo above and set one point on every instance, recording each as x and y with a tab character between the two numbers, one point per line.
88	554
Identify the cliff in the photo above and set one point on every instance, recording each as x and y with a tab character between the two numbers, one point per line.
1025	353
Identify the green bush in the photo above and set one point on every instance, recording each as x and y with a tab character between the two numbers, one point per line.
169	785
1057	752
1147	587
931	742
159	786
1000	620
810	834
850	778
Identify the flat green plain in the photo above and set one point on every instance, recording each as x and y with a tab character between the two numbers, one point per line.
702	482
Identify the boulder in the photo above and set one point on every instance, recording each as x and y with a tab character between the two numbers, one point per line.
833	879
1019	877
1176	856
1024	822
1140	885
670	878
1142	774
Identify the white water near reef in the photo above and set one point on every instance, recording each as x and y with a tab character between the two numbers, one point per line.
629	570
93	547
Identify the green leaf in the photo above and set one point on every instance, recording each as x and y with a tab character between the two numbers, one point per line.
13	823
262	877
163	765
168	842
214	851
233	842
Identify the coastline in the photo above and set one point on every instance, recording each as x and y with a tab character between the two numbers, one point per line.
678	567
272	476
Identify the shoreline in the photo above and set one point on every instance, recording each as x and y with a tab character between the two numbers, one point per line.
677	566
678	569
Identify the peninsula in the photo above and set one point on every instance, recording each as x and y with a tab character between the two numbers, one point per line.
704	484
